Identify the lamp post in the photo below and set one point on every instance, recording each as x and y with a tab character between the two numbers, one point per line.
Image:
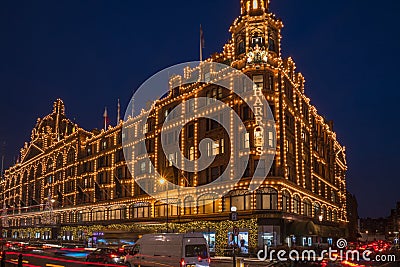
163	181
320	218
234	218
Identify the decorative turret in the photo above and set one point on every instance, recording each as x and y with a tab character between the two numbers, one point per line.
254	7
255	34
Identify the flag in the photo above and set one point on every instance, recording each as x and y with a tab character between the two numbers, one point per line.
202	42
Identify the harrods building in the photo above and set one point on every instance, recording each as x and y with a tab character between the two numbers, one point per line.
75	185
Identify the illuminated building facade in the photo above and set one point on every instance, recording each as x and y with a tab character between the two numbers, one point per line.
72	184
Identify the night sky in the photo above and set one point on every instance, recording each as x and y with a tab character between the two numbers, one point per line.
90	53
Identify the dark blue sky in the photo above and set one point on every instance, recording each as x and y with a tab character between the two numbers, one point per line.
90	53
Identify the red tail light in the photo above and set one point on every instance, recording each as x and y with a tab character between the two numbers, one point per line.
199	258
113	256
182	262
209	260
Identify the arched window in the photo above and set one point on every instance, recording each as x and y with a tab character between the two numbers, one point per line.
140	210
239	199
98	215
267	199
323	212
189	205
207	204
117	213
317	210
286	201
307	208
296	204
161	209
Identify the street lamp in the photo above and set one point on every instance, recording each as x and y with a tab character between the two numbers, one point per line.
234	218
163	181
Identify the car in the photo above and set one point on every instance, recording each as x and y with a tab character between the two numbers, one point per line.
170	250
106	255
15	246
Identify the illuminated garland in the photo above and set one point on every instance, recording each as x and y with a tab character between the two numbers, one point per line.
221	230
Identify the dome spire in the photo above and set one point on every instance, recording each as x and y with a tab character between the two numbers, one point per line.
253	7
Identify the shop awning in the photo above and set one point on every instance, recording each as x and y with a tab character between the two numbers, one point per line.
302	228
330	231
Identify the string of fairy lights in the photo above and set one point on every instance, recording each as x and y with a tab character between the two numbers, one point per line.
285	77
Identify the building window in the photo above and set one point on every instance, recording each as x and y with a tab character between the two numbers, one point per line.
257	41
191	153
307	208
258	81
296	204
189	205
271	82
241	47
270	139
271	44
317	210
207	204
246	140
214	173
267	199
190	131
239	199
255	4
286	201
190	105
142	167
171	159
140	210
218	147
104	145
89	151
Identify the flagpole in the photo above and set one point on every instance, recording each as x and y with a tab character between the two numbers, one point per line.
105	115
201	43
201	51
119	112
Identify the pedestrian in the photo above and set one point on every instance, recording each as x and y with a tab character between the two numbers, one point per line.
20	260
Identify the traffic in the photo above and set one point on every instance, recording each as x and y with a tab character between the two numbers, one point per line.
178	250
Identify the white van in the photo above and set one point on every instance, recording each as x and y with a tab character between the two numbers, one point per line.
169	250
